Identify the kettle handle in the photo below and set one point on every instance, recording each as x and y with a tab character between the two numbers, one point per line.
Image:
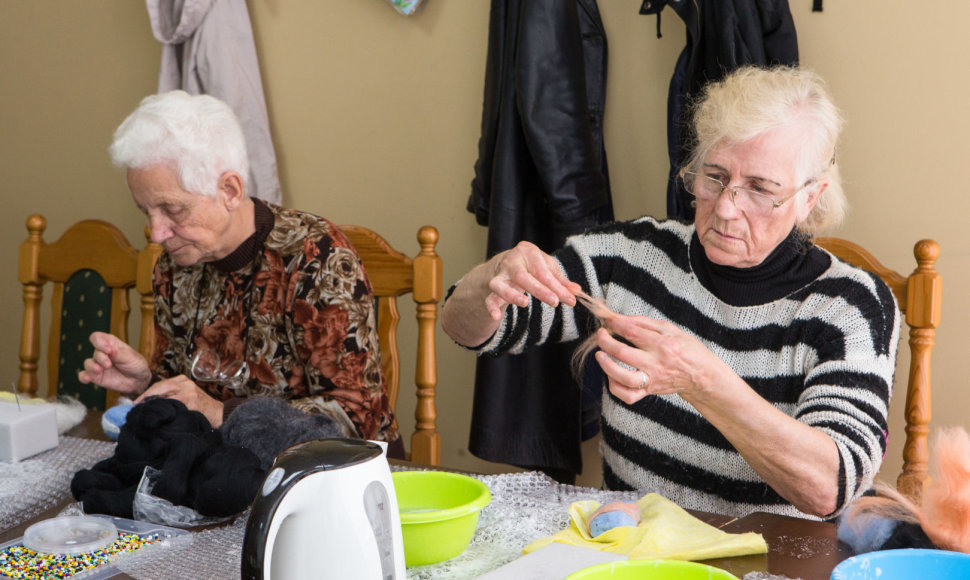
263	524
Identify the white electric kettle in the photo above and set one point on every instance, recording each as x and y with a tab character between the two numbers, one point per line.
327	509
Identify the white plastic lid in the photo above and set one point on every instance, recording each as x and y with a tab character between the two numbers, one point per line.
68	535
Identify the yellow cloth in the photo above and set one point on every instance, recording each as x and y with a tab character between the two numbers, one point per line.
665	531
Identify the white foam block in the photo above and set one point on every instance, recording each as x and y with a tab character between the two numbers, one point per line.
27	430
552	562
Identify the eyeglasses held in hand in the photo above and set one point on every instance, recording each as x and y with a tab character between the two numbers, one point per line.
207	368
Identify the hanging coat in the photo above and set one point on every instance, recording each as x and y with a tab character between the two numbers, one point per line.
722	35
208	48
541	176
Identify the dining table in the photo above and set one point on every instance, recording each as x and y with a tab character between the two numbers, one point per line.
797	548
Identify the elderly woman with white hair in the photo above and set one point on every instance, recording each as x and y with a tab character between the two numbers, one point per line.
746	368
250	299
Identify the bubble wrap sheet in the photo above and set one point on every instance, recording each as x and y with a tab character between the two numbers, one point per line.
525	507
43	481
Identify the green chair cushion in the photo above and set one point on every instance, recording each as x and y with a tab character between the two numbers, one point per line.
86	308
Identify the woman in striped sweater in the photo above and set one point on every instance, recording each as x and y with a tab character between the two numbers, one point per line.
747	369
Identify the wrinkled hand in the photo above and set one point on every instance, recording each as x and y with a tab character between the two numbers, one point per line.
672	360
115	365
525	270
183	389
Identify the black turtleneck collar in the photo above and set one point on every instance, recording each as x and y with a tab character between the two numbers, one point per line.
244	254
790	266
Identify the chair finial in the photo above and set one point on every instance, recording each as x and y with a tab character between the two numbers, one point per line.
36	224
427	238
926	252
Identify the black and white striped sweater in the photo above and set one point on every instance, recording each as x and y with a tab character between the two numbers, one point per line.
825	354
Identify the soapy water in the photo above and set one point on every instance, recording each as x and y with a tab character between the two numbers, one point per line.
418	510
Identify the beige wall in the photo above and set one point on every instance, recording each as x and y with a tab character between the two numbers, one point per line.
376	120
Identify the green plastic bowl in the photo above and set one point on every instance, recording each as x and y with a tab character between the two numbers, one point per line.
651	570
439	513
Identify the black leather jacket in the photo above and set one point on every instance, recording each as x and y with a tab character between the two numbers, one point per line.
721	37
541	176
542	120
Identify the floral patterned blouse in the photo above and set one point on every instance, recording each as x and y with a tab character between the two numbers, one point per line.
304	323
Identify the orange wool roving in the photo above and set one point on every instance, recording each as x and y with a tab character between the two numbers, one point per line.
944	512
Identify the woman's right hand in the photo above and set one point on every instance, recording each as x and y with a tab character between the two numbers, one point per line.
115	365
473	312
526	270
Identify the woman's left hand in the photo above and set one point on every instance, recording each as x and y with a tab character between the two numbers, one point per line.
664	358
183	389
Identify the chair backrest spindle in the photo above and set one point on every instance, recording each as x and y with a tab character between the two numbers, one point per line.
394	274
920	298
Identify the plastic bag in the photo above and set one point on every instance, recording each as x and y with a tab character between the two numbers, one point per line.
149	508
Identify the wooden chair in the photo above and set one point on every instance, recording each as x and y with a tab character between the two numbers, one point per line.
919	296
91	268
393	274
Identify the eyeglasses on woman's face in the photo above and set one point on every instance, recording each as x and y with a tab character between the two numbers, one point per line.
755	200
